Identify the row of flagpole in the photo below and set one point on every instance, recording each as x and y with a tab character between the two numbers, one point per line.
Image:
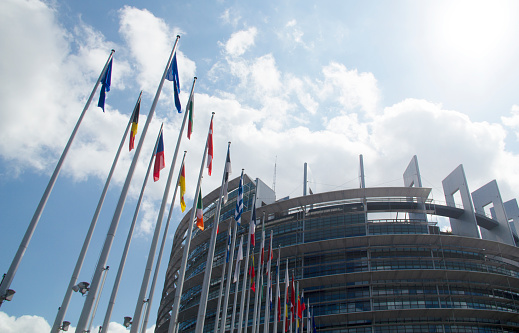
96	285
94	288
292	320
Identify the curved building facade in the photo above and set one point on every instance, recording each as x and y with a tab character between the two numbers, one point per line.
371	259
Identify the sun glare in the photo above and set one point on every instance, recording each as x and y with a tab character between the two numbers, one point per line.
472	31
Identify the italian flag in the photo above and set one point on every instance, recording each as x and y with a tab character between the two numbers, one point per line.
200	212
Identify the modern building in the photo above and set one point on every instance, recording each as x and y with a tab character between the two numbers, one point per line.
372	259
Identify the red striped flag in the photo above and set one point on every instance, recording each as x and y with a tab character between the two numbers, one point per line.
159	159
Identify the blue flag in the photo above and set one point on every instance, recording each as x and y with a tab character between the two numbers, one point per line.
172	75
106	81
228	246
239	202
314	330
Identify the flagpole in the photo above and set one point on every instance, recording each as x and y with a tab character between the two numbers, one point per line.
87	307
228	282
245	273
237	274
217	316
297	307
308	316
182	273
62	310
277	293
285	315
115	289
256	293
153	248
159	258
266	316
9	276
202	307
246	322
258	322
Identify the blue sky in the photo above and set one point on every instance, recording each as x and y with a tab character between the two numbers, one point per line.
301	81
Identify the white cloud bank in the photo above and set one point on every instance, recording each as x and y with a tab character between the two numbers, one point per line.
326	120
36	324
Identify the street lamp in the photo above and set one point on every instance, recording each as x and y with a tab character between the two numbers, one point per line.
65	326
127	321
82	287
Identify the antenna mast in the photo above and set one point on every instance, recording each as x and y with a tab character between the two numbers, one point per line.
274	181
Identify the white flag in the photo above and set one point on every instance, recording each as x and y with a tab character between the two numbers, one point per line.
238	259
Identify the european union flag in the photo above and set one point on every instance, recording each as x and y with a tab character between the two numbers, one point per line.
106	81
172	75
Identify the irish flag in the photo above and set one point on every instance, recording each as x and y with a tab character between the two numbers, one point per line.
200	212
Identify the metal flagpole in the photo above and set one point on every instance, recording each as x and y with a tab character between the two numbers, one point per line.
9	276
183	265
87	307
217	316
246	267
256	296
105	273
266	321
153	248
113	296
202	307
308	316
248	300
159	258
276	310
297	307
285	315
79	264
228	282
258	318
237	283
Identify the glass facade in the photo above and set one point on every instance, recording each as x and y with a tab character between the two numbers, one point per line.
366	272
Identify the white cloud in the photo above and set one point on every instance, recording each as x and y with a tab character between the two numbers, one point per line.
150	41
291	23
26	324
42	99
230	16
36	324
351	89
292	36
240	42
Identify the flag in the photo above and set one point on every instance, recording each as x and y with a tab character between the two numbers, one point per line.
252	275
228	171
239	202
172	75
182	184
262	249
210	149
135	121
106	82
228	246
303	301
252	226
190	115
159	159
299	308
270	256
270	291
238	259
200	212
